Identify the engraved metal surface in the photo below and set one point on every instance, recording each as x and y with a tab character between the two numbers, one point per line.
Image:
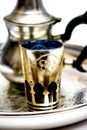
42	72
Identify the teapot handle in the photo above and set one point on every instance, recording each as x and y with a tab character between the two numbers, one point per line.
78	63
82	19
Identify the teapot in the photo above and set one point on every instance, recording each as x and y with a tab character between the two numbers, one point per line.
29	20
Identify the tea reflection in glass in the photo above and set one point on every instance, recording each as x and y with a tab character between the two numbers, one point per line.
42	66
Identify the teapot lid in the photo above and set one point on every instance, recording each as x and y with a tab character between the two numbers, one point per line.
30	12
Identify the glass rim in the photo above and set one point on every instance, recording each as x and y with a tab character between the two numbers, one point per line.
41	45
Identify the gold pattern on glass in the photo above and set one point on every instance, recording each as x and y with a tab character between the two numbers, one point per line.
42	72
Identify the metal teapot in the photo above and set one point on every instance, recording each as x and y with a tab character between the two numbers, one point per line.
29	20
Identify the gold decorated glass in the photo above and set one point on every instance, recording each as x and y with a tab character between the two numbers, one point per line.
42	66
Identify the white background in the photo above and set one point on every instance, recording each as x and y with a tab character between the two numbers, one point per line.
65	9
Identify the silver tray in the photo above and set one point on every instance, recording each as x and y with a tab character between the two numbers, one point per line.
72	107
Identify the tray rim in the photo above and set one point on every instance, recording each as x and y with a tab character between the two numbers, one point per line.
43	112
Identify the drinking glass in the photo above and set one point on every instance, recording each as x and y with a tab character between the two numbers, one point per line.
42	65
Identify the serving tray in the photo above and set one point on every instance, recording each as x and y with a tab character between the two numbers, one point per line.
72	108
